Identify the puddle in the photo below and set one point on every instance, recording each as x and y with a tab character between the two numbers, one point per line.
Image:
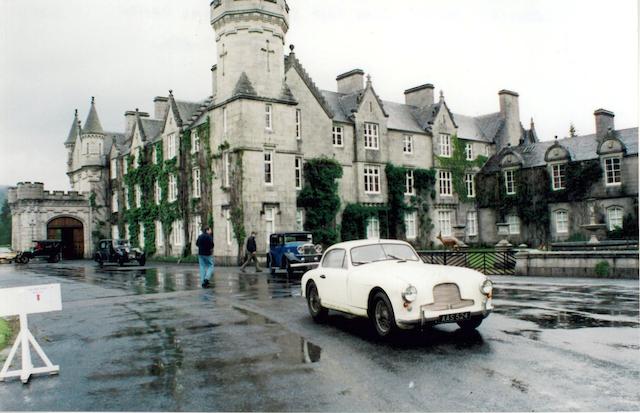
547	319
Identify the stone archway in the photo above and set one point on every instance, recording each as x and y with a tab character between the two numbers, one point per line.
71	232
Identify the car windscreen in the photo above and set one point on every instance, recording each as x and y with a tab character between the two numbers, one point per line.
298	238
381	252
122	243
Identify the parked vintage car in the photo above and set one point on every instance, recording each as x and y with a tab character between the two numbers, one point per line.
49	249
7	255
293	251
386	281
118	251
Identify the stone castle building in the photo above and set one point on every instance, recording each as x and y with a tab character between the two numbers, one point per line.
236	158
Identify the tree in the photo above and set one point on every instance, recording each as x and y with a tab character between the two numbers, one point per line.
572	131
5	224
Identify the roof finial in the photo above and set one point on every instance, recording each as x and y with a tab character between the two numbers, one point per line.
136	110
170	92
369	80
556	137
441	95
291	47
76	114
93	100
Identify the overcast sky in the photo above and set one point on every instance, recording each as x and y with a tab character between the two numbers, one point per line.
565	58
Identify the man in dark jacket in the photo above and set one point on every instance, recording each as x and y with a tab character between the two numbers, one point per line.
205	256
251	253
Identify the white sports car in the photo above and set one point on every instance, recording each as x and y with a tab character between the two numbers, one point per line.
386	281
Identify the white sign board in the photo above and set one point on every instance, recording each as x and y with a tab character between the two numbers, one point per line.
32	299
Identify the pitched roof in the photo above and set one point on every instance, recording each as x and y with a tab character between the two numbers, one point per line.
151	128
75	130
402	117
581	148
292	61
244	86
114	138
92	124
483	128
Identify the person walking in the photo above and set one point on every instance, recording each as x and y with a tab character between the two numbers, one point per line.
205	256
251	253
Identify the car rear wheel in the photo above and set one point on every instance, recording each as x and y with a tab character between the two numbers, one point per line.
382	317
470	324
317	311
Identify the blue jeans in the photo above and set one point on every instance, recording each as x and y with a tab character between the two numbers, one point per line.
206	267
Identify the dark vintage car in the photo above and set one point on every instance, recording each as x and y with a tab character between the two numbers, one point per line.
293	251
118	251
49	249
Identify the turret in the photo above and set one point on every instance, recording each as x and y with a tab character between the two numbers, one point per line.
73	136
92	137
250	38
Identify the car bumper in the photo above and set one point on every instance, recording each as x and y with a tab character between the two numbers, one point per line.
310	265
429	318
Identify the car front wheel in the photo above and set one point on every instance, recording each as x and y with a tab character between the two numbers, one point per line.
271	264
470	324
382	317
317	311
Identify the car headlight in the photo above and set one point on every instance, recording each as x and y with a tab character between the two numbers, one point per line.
300	249
318	248
487	287
410	294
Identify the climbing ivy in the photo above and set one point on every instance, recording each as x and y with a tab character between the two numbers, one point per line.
459	166
236	213
319	197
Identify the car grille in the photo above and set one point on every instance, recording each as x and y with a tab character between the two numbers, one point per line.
308	250
447	297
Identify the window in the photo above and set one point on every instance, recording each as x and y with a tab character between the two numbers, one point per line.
195	142
298	167
127	203
154	155
408	144
468	149
562	222
410	224
157	192
373	228
225	125
228	228
445	145
196	228
138	195
141	235
127	232
196	182
486	151
614	218
408	183
268	167
177	233
159	234
171	146
268	117
334	259
510	182
612	168
125	165
270	222
173	188
514	224
371	136
444	183
114	168
115	232
299	219
471	185
337	136
472	223
114	202
559	172
371	179
444	221
298	124
226	163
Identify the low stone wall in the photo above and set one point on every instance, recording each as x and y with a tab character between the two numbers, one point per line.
622	264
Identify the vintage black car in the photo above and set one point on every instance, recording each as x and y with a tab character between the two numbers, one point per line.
49	249
293	251
118	251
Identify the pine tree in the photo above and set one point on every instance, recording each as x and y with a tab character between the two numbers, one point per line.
5	224
572	131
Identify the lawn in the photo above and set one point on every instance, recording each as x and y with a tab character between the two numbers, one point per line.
6	333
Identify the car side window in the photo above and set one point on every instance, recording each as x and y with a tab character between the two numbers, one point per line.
334	259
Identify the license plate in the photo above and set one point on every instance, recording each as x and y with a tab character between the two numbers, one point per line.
448	318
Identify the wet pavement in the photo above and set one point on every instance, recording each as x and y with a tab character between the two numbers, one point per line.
149	339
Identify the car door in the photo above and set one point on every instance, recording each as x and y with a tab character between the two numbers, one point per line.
333	279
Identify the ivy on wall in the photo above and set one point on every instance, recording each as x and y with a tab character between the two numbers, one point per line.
319	197
459	166
236	213
355	217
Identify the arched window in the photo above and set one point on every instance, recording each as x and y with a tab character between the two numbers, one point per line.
614	218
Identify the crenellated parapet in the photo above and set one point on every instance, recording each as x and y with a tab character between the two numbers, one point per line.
34	191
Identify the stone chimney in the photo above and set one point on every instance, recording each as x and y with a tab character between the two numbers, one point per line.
214	80
510	109
130	120
419	96
350	82
604	122
161	107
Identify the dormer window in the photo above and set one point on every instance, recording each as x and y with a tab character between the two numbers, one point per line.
559	176
613	167
445	145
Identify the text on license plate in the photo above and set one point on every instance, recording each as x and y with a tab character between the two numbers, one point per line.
447	318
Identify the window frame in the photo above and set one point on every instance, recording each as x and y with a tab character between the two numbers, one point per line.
441	178
610	226
510	173
472	230
445	145
468	150
195	141
372	179
565	223
298	167
607	171
226	166
268	177
371	136
298	124
173	188
407	148
409	183
561	182
337	132
300	219
373	228
470	184
196	181
445	218
410	223
268	112
514	224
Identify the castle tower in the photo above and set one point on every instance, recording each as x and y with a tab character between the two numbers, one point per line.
250	38
71	139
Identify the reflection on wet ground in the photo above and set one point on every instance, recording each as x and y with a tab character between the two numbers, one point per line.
557	306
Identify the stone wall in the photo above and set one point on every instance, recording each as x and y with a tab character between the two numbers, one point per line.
622	264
